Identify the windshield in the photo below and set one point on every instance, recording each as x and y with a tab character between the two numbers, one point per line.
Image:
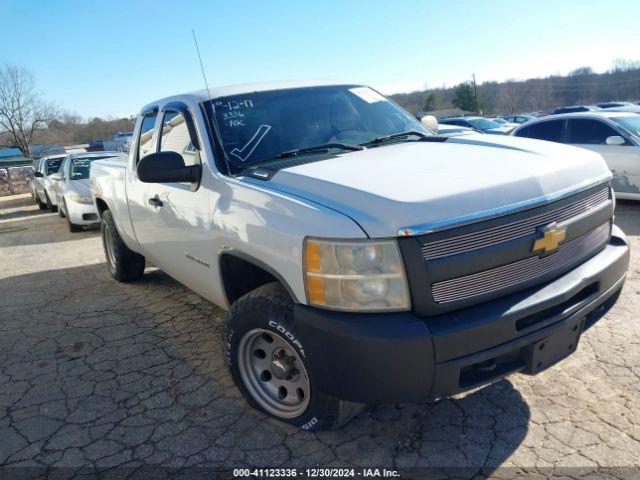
54	165
483	123
630	124
255	127
80	167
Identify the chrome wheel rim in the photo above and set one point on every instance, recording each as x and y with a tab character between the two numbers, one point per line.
108	245
274	373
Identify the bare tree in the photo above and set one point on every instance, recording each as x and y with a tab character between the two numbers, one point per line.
511	97
22	110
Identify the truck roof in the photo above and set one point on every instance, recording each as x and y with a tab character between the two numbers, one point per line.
101	153
239	89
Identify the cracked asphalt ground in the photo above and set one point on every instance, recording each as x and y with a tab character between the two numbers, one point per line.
124	377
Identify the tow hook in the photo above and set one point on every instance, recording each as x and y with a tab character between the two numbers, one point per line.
487	366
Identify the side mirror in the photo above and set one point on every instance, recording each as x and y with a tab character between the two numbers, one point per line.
430	122
38	174
615	140
167	167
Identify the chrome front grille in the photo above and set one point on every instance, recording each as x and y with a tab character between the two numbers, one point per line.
510	231
521	271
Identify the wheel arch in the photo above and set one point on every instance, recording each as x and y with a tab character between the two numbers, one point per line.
241	273
102	206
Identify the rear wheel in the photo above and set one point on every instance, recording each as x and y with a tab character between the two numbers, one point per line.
124	264
268	363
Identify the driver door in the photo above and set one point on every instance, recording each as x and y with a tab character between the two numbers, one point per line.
180	219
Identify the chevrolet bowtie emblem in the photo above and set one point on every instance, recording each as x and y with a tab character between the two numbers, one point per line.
551	238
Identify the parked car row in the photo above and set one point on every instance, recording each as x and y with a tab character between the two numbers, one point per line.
518	119
61	183
507	123
479	124
362	259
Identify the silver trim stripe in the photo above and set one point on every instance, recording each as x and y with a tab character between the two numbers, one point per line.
498	212
489	281
503	233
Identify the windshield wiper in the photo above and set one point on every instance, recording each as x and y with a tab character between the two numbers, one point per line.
325	147
399	135
319	148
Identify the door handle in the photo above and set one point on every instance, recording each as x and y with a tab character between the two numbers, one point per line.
155	201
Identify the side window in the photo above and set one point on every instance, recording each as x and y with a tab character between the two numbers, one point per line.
550	131
175	137
589	132
145	140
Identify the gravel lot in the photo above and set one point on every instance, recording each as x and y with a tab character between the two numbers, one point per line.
96	374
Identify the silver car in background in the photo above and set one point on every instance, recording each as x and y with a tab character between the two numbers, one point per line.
72	192
614	135
43	185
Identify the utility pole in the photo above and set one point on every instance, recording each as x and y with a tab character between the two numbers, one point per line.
475	93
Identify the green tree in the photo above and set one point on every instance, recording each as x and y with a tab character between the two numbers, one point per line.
430	103
464	98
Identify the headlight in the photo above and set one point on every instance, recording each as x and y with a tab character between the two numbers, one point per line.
80	198
360	275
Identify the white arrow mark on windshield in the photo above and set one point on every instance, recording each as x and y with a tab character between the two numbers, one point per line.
251	144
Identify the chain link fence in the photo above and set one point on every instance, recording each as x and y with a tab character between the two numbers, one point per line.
15	180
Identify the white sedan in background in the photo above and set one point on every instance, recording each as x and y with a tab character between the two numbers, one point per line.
43	185
614	135
454	130
73	195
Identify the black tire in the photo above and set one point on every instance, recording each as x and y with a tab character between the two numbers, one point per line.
270	308
41	205
73	228
50	206
126	265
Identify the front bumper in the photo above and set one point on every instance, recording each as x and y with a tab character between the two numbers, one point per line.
81	213
400	357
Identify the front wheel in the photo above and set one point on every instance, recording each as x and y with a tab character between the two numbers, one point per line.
41	205
50	205
269	365
124	264
74	228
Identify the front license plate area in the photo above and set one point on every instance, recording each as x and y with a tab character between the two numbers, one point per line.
550	350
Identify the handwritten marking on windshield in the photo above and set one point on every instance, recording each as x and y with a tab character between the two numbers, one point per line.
245	152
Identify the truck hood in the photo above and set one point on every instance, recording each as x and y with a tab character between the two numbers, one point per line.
81	186
428	185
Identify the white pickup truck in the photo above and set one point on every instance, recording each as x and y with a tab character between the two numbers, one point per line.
362	259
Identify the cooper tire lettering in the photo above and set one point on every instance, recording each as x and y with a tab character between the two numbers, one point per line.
287	333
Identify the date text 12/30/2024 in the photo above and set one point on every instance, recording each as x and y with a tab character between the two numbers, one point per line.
315	473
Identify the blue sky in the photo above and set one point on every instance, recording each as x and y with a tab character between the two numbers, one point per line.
108	58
